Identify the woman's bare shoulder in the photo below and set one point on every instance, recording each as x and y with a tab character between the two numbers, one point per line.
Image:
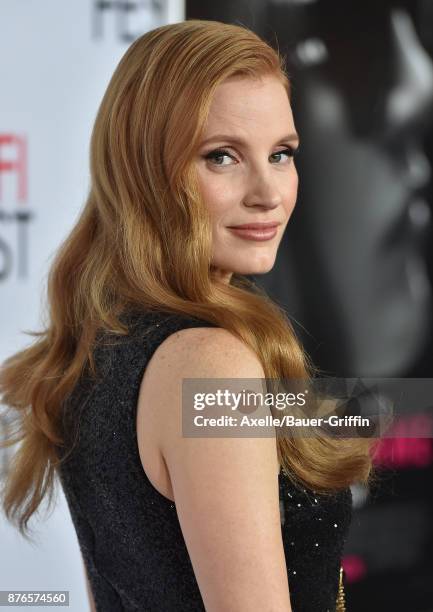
207	352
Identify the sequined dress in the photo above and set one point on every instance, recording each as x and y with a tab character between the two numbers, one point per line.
128	533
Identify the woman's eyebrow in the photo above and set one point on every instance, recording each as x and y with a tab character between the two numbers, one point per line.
293	137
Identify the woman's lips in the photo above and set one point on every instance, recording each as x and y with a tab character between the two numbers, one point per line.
260	234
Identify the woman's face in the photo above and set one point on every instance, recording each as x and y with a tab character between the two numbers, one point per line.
246	172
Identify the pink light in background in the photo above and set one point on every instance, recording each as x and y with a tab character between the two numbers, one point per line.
404	452
354	567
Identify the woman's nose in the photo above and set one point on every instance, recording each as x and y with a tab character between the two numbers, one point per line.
264	190
264	201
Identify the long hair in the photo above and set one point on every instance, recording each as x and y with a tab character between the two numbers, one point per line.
143	240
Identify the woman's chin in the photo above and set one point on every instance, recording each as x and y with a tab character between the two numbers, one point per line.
251	269
252	266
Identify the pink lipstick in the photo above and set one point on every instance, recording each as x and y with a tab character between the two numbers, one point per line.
256	231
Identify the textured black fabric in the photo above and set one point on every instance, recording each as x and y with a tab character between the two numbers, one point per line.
128	533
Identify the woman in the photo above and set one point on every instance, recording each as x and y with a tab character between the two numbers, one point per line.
194	136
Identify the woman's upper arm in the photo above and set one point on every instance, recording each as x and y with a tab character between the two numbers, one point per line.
225	488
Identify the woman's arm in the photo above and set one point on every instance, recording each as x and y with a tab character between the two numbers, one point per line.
225	489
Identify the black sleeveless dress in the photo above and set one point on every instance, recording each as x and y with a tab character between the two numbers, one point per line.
129	534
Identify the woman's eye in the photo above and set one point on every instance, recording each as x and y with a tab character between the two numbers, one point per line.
290	152
219	154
